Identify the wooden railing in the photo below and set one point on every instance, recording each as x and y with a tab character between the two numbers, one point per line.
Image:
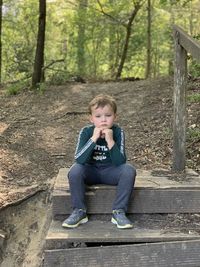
183	44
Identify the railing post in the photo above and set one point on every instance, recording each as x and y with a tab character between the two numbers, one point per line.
179	124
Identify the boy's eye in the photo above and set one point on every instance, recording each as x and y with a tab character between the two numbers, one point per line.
106	115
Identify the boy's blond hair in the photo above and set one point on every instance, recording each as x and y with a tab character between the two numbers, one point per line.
101	101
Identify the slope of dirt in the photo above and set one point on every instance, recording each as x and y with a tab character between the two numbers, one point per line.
38	133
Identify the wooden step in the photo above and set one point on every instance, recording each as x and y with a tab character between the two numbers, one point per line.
153	193
147	228
164	254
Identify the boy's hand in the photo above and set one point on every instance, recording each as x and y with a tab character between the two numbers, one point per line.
96	134
108	137
103	133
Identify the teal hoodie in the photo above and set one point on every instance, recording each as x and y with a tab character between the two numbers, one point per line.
90	152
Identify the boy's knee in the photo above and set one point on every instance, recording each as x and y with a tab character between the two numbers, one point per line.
133	170
76	170
130	169
129	173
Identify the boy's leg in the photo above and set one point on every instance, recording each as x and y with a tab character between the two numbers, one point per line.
124	187
78	175
124	177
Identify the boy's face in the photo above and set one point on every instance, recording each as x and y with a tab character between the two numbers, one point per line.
103	117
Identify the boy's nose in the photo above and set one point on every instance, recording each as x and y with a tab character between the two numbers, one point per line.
103	118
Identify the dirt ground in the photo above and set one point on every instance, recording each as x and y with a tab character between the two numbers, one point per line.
38	133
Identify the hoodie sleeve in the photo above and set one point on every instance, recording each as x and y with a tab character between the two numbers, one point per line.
84	148
117	152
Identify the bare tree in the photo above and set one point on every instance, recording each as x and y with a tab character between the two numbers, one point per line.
136	8
38	73
137	4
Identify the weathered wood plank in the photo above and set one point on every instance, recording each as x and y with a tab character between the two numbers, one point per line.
142	201
179	122
176	254
105	232
190	44
152	194
145	179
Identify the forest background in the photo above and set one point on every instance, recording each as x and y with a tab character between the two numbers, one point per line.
56	40
46	45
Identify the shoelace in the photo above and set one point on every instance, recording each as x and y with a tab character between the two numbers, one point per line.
76	213
118	212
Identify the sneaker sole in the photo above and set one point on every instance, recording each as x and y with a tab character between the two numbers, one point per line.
126	226
84	220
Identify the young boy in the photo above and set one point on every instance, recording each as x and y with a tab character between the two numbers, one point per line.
101	159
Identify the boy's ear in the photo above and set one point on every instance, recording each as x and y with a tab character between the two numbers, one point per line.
90	118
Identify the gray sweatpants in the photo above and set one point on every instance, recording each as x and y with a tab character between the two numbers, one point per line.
123	176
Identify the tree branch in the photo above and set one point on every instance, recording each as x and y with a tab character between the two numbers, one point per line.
53	62
106	14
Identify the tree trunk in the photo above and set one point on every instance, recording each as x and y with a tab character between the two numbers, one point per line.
191	19
1	5
134	12
38	73
112	45
82	9
148	66
112	50
171	41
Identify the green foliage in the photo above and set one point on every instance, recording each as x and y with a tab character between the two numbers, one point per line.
41	87
90	37
58	78
194	66
17	87
194	98
13	89
19	39
194	134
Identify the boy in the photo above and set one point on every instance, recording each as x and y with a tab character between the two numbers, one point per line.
100	159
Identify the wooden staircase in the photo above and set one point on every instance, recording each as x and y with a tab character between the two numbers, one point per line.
163	234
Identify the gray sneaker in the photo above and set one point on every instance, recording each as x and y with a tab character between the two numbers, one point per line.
119	218
77	217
